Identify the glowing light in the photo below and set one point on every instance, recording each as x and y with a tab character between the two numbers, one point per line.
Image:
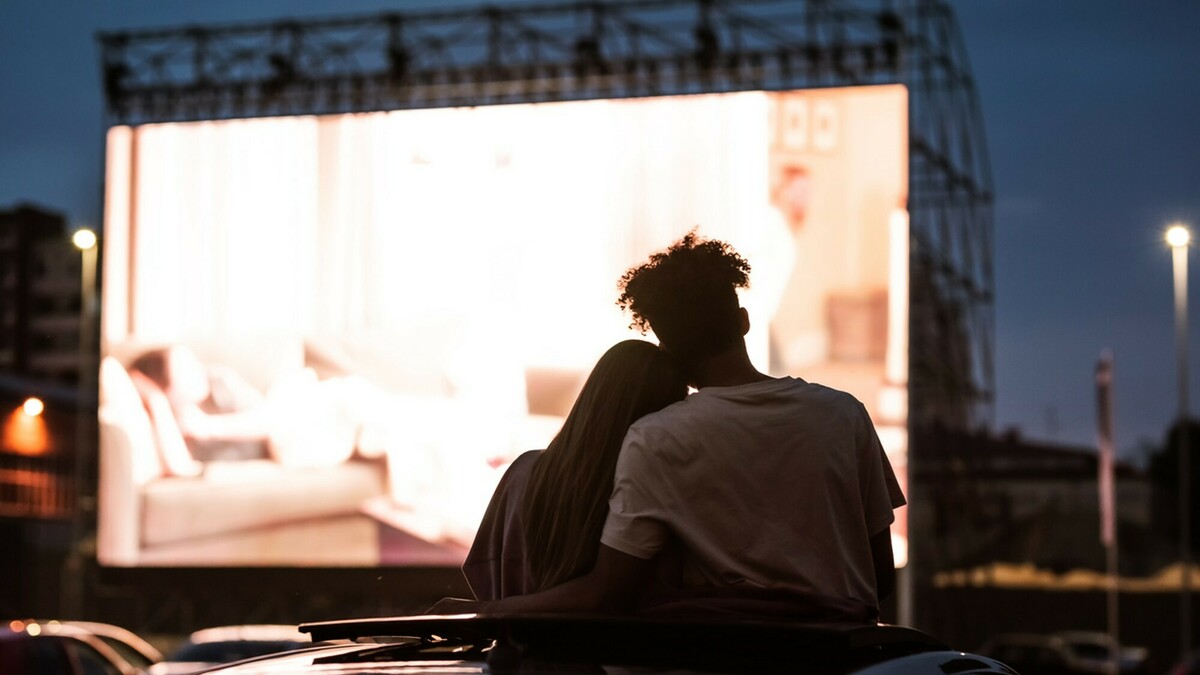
33	407
84	239
1178	236
33	629
26	433
16	626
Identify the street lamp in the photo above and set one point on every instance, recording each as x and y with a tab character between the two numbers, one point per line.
84	239
33	407
1178	238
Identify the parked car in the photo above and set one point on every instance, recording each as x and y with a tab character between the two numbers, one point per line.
224	644
1097	649
128	645
1064	653
570	644
57	648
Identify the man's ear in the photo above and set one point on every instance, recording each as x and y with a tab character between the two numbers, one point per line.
744	319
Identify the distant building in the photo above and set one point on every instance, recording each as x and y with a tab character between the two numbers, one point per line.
39	296
1003	498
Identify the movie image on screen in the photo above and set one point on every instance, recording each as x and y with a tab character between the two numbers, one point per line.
323	338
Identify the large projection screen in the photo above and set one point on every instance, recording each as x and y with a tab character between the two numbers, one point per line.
324	338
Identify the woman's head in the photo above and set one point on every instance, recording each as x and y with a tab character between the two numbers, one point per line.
177	371
566	501
633	378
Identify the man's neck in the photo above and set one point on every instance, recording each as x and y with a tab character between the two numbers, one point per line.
728	369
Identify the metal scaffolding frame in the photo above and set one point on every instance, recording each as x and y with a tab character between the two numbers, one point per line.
633	48
547	52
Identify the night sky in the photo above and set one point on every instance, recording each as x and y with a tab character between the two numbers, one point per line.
1092	115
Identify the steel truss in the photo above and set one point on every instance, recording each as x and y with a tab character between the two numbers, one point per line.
626	48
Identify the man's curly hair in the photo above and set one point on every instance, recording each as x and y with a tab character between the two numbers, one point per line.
687	295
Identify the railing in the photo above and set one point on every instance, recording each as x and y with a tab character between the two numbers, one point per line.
36	487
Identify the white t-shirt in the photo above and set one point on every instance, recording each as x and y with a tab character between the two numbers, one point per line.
776	484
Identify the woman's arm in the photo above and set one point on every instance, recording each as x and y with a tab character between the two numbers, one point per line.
613	585
194	422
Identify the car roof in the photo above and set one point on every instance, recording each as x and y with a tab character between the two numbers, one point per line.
536	629
562	644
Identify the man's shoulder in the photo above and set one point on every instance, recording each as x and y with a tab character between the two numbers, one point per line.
809	402
828	394
697	411
800	390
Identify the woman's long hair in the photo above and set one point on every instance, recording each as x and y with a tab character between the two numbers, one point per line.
153	364
566	501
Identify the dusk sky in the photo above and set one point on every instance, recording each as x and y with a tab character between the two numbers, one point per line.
1092	115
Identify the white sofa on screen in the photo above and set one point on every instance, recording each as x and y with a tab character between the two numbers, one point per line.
251	512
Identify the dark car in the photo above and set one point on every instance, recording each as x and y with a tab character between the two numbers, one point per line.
1065	653
225	644
576	644
54	648
128	645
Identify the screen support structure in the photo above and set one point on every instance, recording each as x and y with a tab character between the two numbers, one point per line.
634	48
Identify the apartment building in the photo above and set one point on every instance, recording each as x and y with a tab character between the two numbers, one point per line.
39	295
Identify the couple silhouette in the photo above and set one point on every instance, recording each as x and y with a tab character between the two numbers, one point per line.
755	495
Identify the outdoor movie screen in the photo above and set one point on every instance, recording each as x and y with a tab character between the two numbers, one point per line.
324	338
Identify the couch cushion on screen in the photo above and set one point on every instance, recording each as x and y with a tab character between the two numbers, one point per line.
259	359
234	496
122	406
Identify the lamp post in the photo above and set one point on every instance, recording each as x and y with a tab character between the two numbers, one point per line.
1178	237
84	239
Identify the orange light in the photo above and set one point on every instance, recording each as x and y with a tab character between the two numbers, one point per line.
26	434
16	626
33	407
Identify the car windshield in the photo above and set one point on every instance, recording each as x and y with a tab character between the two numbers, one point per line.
1089	650
232	650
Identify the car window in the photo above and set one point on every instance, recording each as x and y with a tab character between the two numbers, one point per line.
1047	656
1011	654
91	662
127	652
1089	650
33	655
